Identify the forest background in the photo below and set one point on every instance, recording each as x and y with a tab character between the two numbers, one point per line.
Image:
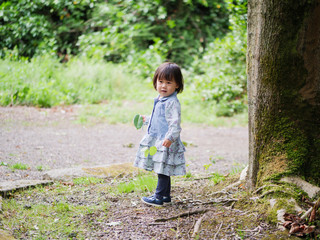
102	54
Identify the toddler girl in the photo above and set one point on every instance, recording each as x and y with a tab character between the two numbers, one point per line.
164	133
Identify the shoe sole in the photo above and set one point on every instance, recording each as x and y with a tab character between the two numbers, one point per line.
152	204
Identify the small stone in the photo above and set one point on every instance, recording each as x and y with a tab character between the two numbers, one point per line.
280	215
27	206
272	202
244	174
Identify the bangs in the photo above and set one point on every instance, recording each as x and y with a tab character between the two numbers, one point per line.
166	74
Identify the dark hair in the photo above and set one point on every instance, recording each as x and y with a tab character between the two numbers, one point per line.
169	71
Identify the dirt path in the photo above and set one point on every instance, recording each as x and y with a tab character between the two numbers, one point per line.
50	139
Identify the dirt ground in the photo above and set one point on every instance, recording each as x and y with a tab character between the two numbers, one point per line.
52	139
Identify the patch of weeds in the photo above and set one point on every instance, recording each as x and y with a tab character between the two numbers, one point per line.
145	183
186	144
216	178
188	175
130	145
236	168
3	164
207	166
40	168
213	159
87	181
19	166
241	233
62	207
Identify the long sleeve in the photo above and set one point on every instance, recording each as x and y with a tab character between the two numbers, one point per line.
173	118
147	120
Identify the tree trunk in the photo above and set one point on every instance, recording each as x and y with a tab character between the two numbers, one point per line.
283	89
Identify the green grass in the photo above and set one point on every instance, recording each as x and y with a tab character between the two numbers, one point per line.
19	166
58	220
45	82
87	181
63	212
40	168
59	216
216	178
144	183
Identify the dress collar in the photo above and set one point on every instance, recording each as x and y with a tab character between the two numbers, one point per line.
165	98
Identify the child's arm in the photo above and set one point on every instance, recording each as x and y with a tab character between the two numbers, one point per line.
173	117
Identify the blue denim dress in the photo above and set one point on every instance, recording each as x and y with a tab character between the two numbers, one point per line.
164	123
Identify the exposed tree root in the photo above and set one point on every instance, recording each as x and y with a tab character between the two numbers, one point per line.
184	214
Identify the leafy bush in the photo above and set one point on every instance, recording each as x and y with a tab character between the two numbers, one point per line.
183	28
137	35
45	82
37	26
220	75
113	29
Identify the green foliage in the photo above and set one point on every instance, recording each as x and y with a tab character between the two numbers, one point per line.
116	30
44	82
216	178
137	35
37	26
220	75
183	28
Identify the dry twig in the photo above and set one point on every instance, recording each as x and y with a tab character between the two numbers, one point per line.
197	226
314	210
184	214
217	232
306	214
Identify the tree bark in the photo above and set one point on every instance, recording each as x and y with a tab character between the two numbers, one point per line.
283	65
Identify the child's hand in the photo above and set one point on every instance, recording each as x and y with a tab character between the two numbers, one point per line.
144	118
167	143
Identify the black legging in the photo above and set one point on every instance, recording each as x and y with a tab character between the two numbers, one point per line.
164	186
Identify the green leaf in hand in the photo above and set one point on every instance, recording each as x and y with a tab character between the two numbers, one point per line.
153	150
138	121
146	152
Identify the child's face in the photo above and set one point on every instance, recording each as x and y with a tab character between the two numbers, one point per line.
165	87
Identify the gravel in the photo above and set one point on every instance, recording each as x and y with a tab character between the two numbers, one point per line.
44	139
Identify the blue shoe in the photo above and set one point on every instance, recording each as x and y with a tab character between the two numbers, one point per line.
166	199
152	201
